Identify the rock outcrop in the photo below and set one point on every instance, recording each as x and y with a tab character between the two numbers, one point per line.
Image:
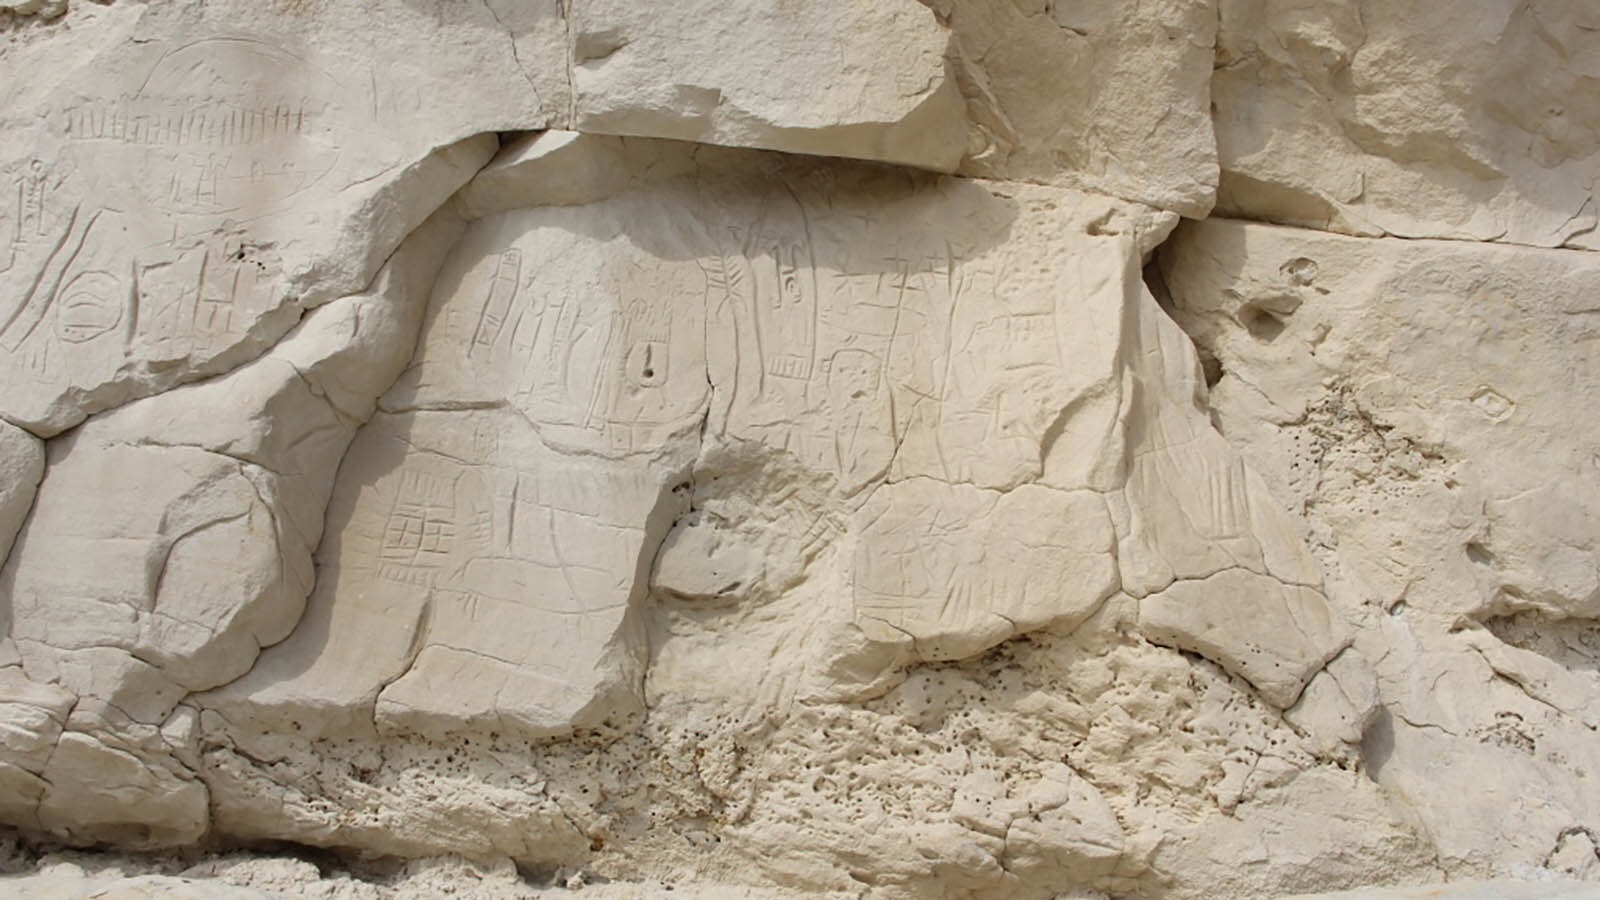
956	449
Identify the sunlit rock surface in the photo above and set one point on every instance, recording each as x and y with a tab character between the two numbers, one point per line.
773	450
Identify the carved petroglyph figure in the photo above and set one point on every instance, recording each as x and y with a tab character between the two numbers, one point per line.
234	124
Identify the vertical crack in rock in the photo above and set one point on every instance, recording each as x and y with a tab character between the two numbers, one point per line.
511	38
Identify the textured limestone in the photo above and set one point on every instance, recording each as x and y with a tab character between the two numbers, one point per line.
144	887
175	220
201	529
695	75
585	368
1411	118
1414	401
21	467
712	404
772	449
1103	96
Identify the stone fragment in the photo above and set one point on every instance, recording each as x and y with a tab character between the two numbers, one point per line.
1411	118
703	560
1103	96
1339	703
1221	570
1065	827
865	81
190	571
1362	836
31	715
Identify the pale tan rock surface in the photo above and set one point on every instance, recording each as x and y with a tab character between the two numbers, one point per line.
772	449
714	405
1417	119
174	219
200	529
21	467
747	75
1103	96
1418	403
1471	890
143	887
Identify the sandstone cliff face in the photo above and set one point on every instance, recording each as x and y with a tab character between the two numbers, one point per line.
972	448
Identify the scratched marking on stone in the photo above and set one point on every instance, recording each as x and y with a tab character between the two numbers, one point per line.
231	124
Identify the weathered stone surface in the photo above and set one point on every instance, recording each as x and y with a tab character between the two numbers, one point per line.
77	886
953	569
1276	642
506	513
607	443
866	81
1431	383
191	179
201	527
1414	402
1412	118
1103	96
21	467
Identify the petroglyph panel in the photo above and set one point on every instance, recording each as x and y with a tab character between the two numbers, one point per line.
920	352
770	297
577	360
799	524
598	343
471	577
954	569
174	205
228	124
